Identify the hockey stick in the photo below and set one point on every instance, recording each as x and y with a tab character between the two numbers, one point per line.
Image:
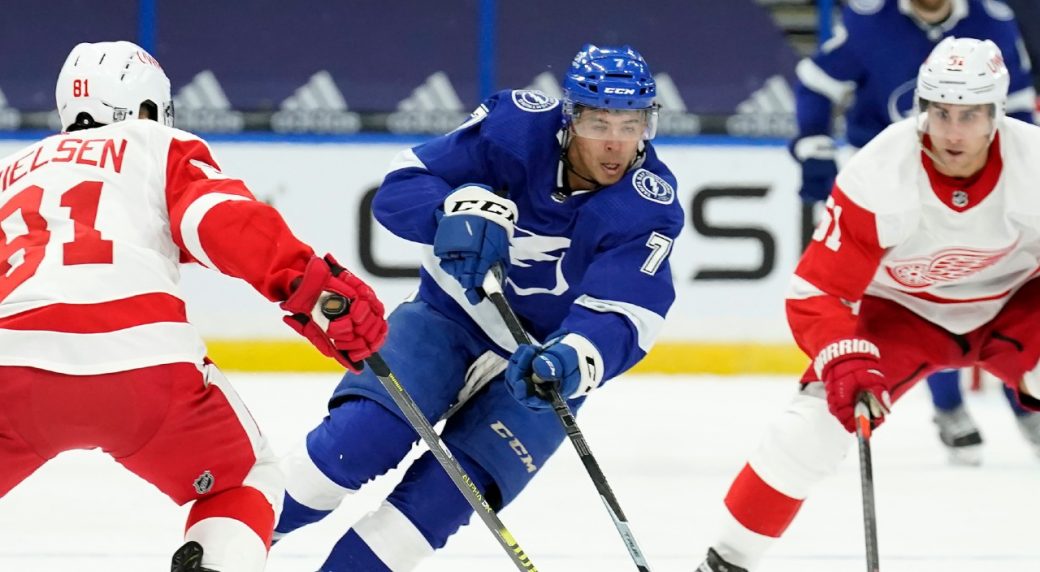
493	290
866	477
335	306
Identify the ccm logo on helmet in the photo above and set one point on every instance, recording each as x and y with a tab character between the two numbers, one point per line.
620	90
996	63
146	58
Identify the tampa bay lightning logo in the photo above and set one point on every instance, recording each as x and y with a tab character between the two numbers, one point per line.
901	101
533	100
537	263
652	187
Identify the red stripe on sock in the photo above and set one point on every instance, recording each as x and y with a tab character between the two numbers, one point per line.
759	507
244	504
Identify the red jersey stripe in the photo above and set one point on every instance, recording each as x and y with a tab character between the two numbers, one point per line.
941	300
100	317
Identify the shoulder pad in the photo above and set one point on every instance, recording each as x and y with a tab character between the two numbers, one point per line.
652	187
866	7
533	101
155	126
998	10
875	177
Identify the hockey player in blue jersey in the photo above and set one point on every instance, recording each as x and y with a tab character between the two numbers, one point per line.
570	196
872	58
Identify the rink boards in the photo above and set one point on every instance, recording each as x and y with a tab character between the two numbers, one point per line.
731	264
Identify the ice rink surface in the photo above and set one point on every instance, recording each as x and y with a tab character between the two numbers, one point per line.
669	447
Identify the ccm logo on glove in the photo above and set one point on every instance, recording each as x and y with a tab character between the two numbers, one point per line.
481	201
473	235
485	206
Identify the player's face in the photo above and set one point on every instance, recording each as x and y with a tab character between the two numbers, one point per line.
930	5
605	144
960	137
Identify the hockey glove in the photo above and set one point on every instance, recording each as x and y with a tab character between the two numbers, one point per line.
473	235
359	332
850	369
569	363
816	156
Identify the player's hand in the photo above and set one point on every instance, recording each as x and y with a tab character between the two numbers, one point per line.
473	235
359	332
569	363
816	155
849	369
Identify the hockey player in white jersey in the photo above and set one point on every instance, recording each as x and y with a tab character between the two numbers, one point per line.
870	62
925	260
95	347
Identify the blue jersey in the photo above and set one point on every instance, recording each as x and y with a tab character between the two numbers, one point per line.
589	262
875	55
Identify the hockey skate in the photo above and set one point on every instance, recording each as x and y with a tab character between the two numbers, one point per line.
1029	425
958	432
715	563
188	558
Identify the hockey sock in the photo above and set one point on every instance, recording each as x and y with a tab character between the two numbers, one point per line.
803	445
423	511
295	515
382	541
758	506
1013	401
234	529
358	441
946	389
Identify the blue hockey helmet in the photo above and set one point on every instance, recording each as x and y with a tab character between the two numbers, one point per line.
611	78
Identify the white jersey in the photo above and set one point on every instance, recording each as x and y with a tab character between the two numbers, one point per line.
93	227
951	253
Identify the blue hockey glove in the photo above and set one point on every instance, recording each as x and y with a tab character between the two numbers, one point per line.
570	363
473	235
816	155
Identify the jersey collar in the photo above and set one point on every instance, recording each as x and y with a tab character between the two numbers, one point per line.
562	192
958	12
962	194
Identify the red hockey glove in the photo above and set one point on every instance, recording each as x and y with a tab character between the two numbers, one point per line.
850	369
359	332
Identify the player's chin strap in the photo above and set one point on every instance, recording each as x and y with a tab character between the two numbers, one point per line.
922	130
565	144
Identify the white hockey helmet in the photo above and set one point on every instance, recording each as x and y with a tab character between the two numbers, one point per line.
105	82
964	71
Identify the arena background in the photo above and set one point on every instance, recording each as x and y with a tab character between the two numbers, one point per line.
308	102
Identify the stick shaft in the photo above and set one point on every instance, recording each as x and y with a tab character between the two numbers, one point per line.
493	290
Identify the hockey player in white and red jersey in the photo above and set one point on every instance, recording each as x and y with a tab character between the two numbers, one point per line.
95	347
926	260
